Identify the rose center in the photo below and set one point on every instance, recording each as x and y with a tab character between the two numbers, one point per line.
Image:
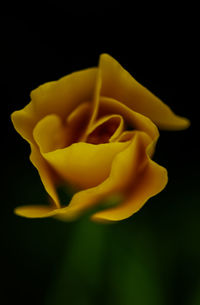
105	131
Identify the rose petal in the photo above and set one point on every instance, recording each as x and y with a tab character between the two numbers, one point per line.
35	211
124	170
84	164
126	136
117	83
53	133
24	121
96	98
94	105
50	133
106	129
151	182
47	175
134	119
59	97
44	133
77	122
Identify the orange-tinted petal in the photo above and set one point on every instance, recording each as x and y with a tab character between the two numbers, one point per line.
117	83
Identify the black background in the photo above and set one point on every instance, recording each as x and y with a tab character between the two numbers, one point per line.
158	46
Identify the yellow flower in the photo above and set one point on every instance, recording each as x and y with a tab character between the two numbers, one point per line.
95	129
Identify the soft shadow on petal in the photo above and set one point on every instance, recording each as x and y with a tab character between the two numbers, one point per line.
117	83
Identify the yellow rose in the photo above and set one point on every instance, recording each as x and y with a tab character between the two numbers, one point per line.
95	129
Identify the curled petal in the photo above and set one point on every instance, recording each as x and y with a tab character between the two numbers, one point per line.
117	83
134	119
67	118
50	133
106	129
125	168
59	97
149	183
83	164
95	98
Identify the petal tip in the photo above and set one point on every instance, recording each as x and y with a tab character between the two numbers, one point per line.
14	115
185	123
34	211
180	123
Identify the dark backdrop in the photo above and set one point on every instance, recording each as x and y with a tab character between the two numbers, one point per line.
151	258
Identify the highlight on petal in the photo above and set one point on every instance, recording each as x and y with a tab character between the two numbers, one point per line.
117	83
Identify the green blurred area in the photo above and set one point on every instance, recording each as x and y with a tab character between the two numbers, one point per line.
152	258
